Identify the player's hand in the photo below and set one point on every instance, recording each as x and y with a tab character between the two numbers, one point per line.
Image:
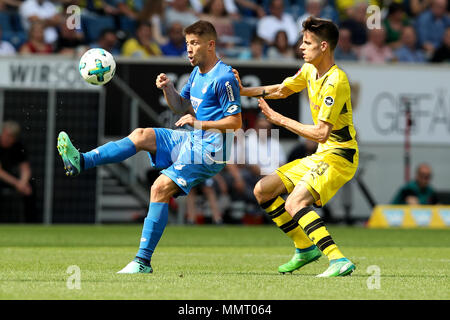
162	81
271	115
188	119
24	188
236	75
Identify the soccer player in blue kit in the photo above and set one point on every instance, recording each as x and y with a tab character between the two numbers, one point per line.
186	157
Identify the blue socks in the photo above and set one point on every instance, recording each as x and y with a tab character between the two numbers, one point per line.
154	226
110	152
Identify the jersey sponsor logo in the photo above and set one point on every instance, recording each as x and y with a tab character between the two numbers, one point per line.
229	91
232	108
195	103
329	101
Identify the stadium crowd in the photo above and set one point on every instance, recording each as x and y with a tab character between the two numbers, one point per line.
409	30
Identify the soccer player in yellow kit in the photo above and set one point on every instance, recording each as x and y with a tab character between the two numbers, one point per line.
315	179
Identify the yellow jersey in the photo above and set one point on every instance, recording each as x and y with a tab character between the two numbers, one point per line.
329	100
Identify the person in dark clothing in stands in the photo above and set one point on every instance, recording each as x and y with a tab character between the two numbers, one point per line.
15	170
418	191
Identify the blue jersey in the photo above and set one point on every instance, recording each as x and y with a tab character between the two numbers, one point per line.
214	95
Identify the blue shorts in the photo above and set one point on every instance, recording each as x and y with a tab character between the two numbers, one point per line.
182	161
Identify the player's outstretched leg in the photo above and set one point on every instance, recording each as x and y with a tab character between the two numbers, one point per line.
111	152
72	159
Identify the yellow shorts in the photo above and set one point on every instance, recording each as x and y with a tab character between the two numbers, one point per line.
323	174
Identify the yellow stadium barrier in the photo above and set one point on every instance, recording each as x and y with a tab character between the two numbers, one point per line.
403	216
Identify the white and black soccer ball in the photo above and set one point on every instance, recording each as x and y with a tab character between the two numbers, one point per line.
97	66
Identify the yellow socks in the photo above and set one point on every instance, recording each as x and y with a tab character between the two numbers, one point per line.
314	227
275	210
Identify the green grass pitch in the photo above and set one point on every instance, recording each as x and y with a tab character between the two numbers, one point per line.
206	262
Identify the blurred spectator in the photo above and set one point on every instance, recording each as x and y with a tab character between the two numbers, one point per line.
179	11
212	189
281	50
418	191
6	48
230	7
431	25
442	54
356	23
312	8
70	40
268	26
177	44
36	43
10	5
251	6
408	51
262	152
108	41
255	51
376	50
416	7
130	9
302	149
143	45
45	12
15	170
153	12
344	50
395	21
254	154
214	12
99	7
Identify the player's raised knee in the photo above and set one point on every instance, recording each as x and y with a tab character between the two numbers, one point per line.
259	193
143	139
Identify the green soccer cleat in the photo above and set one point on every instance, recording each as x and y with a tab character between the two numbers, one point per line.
299	260
70	156
136	267
338	268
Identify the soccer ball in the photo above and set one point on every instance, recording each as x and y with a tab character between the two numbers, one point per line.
97	66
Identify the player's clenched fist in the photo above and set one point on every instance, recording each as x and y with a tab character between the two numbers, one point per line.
162	80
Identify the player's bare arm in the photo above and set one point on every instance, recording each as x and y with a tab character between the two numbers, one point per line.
233	122
318	132
176	103
276	91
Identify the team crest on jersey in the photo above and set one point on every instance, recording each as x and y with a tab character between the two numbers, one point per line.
329	101
195	103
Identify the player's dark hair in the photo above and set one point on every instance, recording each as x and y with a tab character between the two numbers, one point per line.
202	28
324	29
